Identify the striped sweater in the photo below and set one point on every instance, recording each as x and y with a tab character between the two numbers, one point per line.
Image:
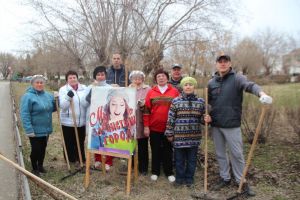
184	118
157	107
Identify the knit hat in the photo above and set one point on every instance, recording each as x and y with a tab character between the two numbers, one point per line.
117	92
99	69
37	78
188	79
135	74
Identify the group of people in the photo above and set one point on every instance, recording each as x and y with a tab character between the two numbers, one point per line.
169	113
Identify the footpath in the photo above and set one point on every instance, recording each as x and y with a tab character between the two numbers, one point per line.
8	175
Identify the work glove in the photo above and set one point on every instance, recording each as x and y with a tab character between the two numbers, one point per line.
265	99
30	135
70	94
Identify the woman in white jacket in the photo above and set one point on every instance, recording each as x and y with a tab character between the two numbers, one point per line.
76	92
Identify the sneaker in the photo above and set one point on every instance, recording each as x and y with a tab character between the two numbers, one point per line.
154	177
107	167
221	184
171	178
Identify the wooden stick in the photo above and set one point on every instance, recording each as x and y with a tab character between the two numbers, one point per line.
76	132
206	138
27	173
126	76
257	131
62	136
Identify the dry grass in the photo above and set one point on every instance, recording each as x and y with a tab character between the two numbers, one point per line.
271	180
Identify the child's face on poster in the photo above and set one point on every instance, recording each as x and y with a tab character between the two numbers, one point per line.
117	107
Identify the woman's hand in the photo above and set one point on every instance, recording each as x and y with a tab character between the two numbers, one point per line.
146	131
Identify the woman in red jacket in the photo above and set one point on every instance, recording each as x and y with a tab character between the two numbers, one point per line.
157	104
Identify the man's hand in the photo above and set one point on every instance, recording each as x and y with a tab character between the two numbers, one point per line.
115	85
146	131
265	99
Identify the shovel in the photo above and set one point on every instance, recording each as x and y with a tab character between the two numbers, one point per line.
250	155
204	194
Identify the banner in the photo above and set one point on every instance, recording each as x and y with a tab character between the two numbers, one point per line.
112	120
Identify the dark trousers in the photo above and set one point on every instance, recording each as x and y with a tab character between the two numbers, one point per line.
162	152
38	150
185	162
143	155
71	144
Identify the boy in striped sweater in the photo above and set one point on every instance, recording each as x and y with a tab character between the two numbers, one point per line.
184	130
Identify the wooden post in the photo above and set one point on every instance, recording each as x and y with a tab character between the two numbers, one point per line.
136	166
62	135
87	169
257	131
129	175
27	173
76	132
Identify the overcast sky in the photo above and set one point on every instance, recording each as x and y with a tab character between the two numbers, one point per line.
278	15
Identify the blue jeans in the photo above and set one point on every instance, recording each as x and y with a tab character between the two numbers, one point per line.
185	162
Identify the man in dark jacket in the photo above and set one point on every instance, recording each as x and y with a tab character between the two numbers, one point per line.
116	73
225	92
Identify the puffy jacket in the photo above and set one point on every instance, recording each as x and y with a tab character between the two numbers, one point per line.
36	109
225	95
80	105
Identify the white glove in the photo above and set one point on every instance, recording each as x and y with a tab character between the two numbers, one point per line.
30	135
265	99
55	94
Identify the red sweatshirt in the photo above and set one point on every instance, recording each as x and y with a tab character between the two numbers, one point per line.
157	107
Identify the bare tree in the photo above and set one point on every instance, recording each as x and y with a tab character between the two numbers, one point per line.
7	61
248	56
273	46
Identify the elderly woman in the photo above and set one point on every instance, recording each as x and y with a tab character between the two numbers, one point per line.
157	104
76	92
137	79
36	114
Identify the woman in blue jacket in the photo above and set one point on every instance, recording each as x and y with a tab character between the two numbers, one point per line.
36	114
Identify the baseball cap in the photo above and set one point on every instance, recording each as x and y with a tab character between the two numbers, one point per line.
176	65
223	56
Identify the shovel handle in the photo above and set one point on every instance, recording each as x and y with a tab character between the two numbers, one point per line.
76	132
205	147
253	145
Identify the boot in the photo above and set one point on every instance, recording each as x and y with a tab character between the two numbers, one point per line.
221	184
42	169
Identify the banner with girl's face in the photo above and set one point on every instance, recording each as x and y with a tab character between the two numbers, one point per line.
112	120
